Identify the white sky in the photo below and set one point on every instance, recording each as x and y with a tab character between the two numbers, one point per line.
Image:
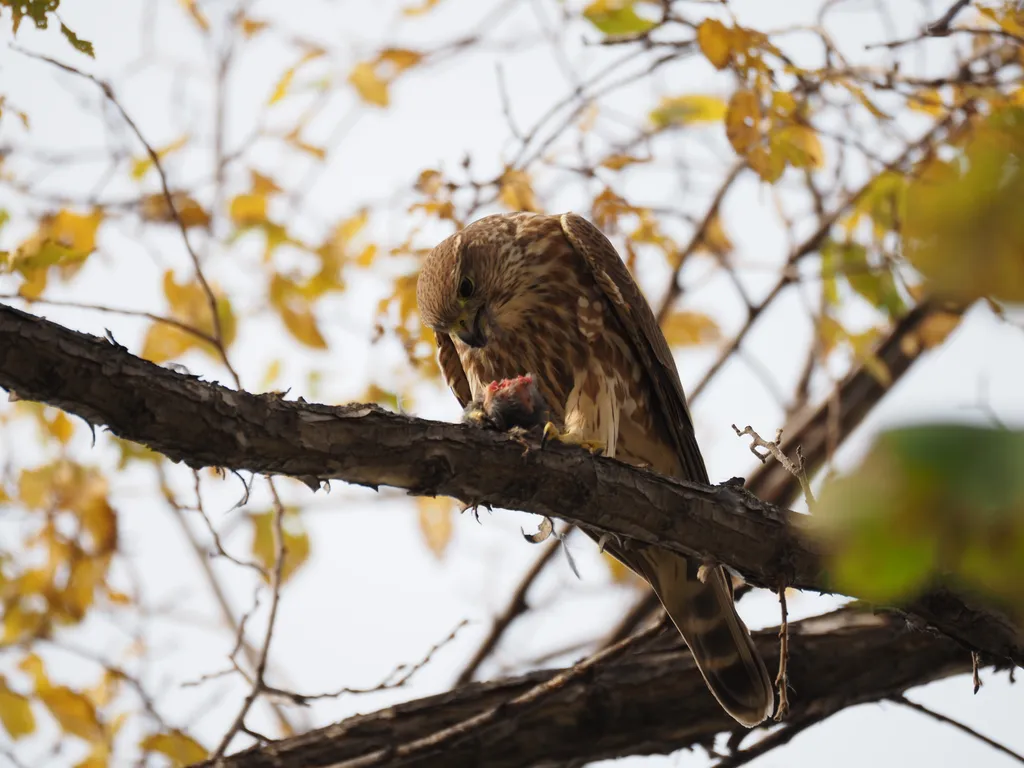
373	596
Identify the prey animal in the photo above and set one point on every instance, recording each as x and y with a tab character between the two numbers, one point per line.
549	295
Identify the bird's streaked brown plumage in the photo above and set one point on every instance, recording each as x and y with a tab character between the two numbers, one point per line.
519	293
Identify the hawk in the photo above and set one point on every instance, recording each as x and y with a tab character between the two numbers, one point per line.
521	293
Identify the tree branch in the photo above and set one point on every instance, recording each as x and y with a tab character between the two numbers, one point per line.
203	424
650	701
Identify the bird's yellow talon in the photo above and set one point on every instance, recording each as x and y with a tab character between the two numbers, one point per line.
551	432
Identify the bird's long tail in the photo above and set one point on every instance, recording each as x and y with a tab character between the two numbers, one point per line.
705	615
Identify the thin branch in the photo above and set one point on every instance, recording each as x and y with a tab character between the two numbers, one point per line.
474	727
516	605
154	157
398	677
280	552
957	724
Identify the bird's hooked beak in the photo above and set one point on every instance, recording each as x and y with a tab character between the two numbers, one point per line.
471	330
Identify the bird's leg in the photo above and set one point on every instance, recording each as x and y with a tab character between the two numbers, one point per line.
571	437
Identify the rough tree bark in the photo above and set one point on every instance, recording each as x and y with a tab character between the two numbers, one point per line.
208	425
650	701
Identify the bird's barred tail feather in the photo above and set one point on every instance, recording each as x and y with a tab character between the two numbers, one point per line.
706	616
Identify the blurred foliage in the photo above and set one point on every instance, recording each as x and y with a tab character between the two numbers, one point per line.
928	505
41	12
245	246
964	228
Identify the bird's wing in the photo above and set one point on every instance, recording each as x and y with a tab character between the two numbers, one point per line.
638	320
451	368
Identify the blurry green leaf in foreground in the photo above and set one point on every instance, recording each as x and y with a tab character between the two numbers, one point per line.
964	228
937	502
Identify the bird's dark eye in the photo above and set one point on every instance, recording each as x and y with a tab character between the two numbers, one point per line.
465	288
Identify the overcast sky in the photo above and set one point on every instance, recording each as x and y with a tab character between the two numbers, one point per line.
373	596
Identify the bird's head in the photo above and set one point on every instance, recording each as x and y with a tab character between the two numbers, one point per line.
472	284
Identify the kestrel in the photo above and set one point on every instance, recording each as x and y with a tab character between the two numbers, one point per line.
548	295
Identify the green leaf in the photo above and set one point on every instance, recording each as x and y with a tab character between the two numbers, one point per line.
933	503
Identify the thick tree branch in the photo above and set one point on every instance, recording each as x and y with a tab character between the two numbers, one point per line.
650	701
204	424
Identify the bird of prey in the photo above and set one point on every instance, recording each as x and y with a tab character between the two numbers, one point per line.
521	293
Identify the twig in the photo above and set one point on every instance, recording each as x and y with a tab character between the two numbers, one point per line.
449	737
404	674
774	448
211	298
280	551
516	606
957	724
940	26
185	327
782	679
674	287
975	677
774	739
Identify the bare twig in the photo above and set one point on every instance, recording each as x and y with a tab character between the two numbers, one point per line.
154	157
774	448
957	724
396	679
782	679
473	726
280	552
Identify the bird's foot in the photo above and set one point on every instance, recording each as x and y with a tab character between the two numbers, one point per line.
552	432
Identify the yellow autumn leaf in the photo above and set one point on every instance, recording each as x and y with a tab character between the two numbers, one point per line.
61	427
368	85
398	59
248	209
715	40
15	712
263	185
742	121
181	748
190	305
423	7
516	192
799	146
684	110
435	516
141	165
927	100
282	86
191	213
252	27
294	138
767	164
87	574
192	7
684	329
617	161
296	541
302	324
21	623
73	711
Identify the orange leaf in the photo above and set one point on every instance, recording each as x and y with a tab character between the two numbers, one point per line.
715	40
